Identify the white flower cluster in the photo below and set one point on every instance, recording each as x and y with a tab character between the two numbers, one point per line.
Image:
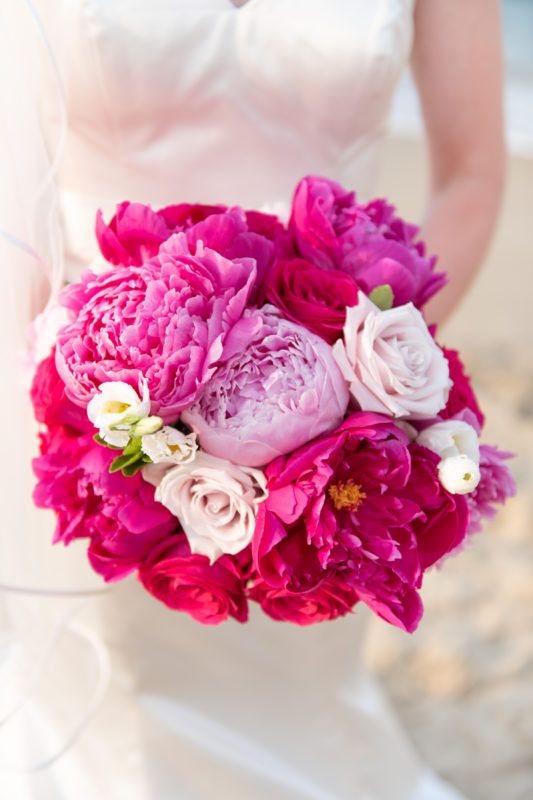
214	500
457	443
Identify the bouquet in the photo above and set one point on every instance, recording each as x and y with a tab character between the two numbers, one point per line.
240	410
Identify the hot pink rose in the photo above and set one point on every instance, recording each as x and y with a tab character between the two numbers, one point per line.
118	514
50	403
350	505
166	321
313	297
186	582
462	394
330	600
367	241
279	388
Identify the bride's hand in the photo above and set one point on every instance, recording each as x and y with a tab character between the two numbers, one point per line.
457	65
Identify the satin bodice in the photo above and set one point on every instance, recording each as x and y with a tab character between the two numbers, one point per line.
203	101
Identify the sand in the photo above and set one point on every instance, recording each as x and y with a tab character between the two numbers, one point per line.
463	684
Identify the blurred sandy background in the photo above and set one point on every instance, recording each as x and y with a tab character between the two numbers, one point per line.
464	684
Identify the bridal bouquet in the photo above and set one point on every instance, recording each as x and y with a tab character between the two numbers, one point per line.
242	411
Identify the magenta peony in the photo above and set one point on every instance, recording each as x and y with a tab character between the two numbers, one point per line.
119	515
312	297
187	582
497	485
367	241
278	389
166	321
136	231
330	600
355	505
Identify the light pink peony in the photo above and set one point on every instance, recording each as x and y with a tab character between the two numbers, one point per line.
166	321
280	388
391	361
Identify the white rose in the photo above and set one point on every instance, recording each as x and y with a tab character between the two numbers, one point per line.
391	361
116	408
453	437
459	474
169	446
215	501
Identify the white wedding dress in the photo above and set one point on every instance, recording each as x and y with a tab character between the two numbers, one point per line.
164	101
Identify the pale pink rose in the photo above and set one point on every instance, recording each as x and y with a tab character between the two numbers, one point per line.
391	361
215	501
279	388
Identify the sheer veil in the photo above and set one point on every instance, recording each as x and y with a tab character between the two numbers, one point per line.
41	587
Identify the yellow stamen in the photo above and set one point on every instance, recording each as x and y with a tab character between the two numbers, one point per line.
115	407
174	448
346	496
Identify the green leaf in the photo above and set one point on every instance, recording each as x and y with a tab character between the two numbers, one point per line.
382	296
133	447
131	469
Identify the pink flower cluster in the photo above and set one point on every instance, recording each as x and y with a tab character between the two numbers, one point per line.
258	340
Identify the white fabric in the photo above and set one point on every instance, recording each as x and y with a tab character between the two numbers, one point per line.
170	100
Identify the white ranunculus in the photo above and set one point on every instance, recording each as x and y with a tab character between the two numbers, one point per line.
453	437
459	474
215	501
116	407
169	446
391	361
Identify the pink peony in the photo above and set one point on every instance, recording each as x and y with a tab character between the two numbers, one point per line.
136	231
355	506
313	297
279	388
330	600
367	241
166	321
462	395
497	485
118	514
186	582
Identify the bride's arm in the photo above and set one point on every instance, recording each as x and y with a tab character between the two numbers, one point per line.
457	66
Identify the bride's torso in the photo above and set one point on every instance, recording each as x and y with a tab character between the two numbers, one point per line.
198	100
202	101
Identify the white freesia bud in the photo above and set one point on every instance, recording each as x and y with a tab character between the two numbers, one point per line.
459	474
117	407
453	437
147	426
170	446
